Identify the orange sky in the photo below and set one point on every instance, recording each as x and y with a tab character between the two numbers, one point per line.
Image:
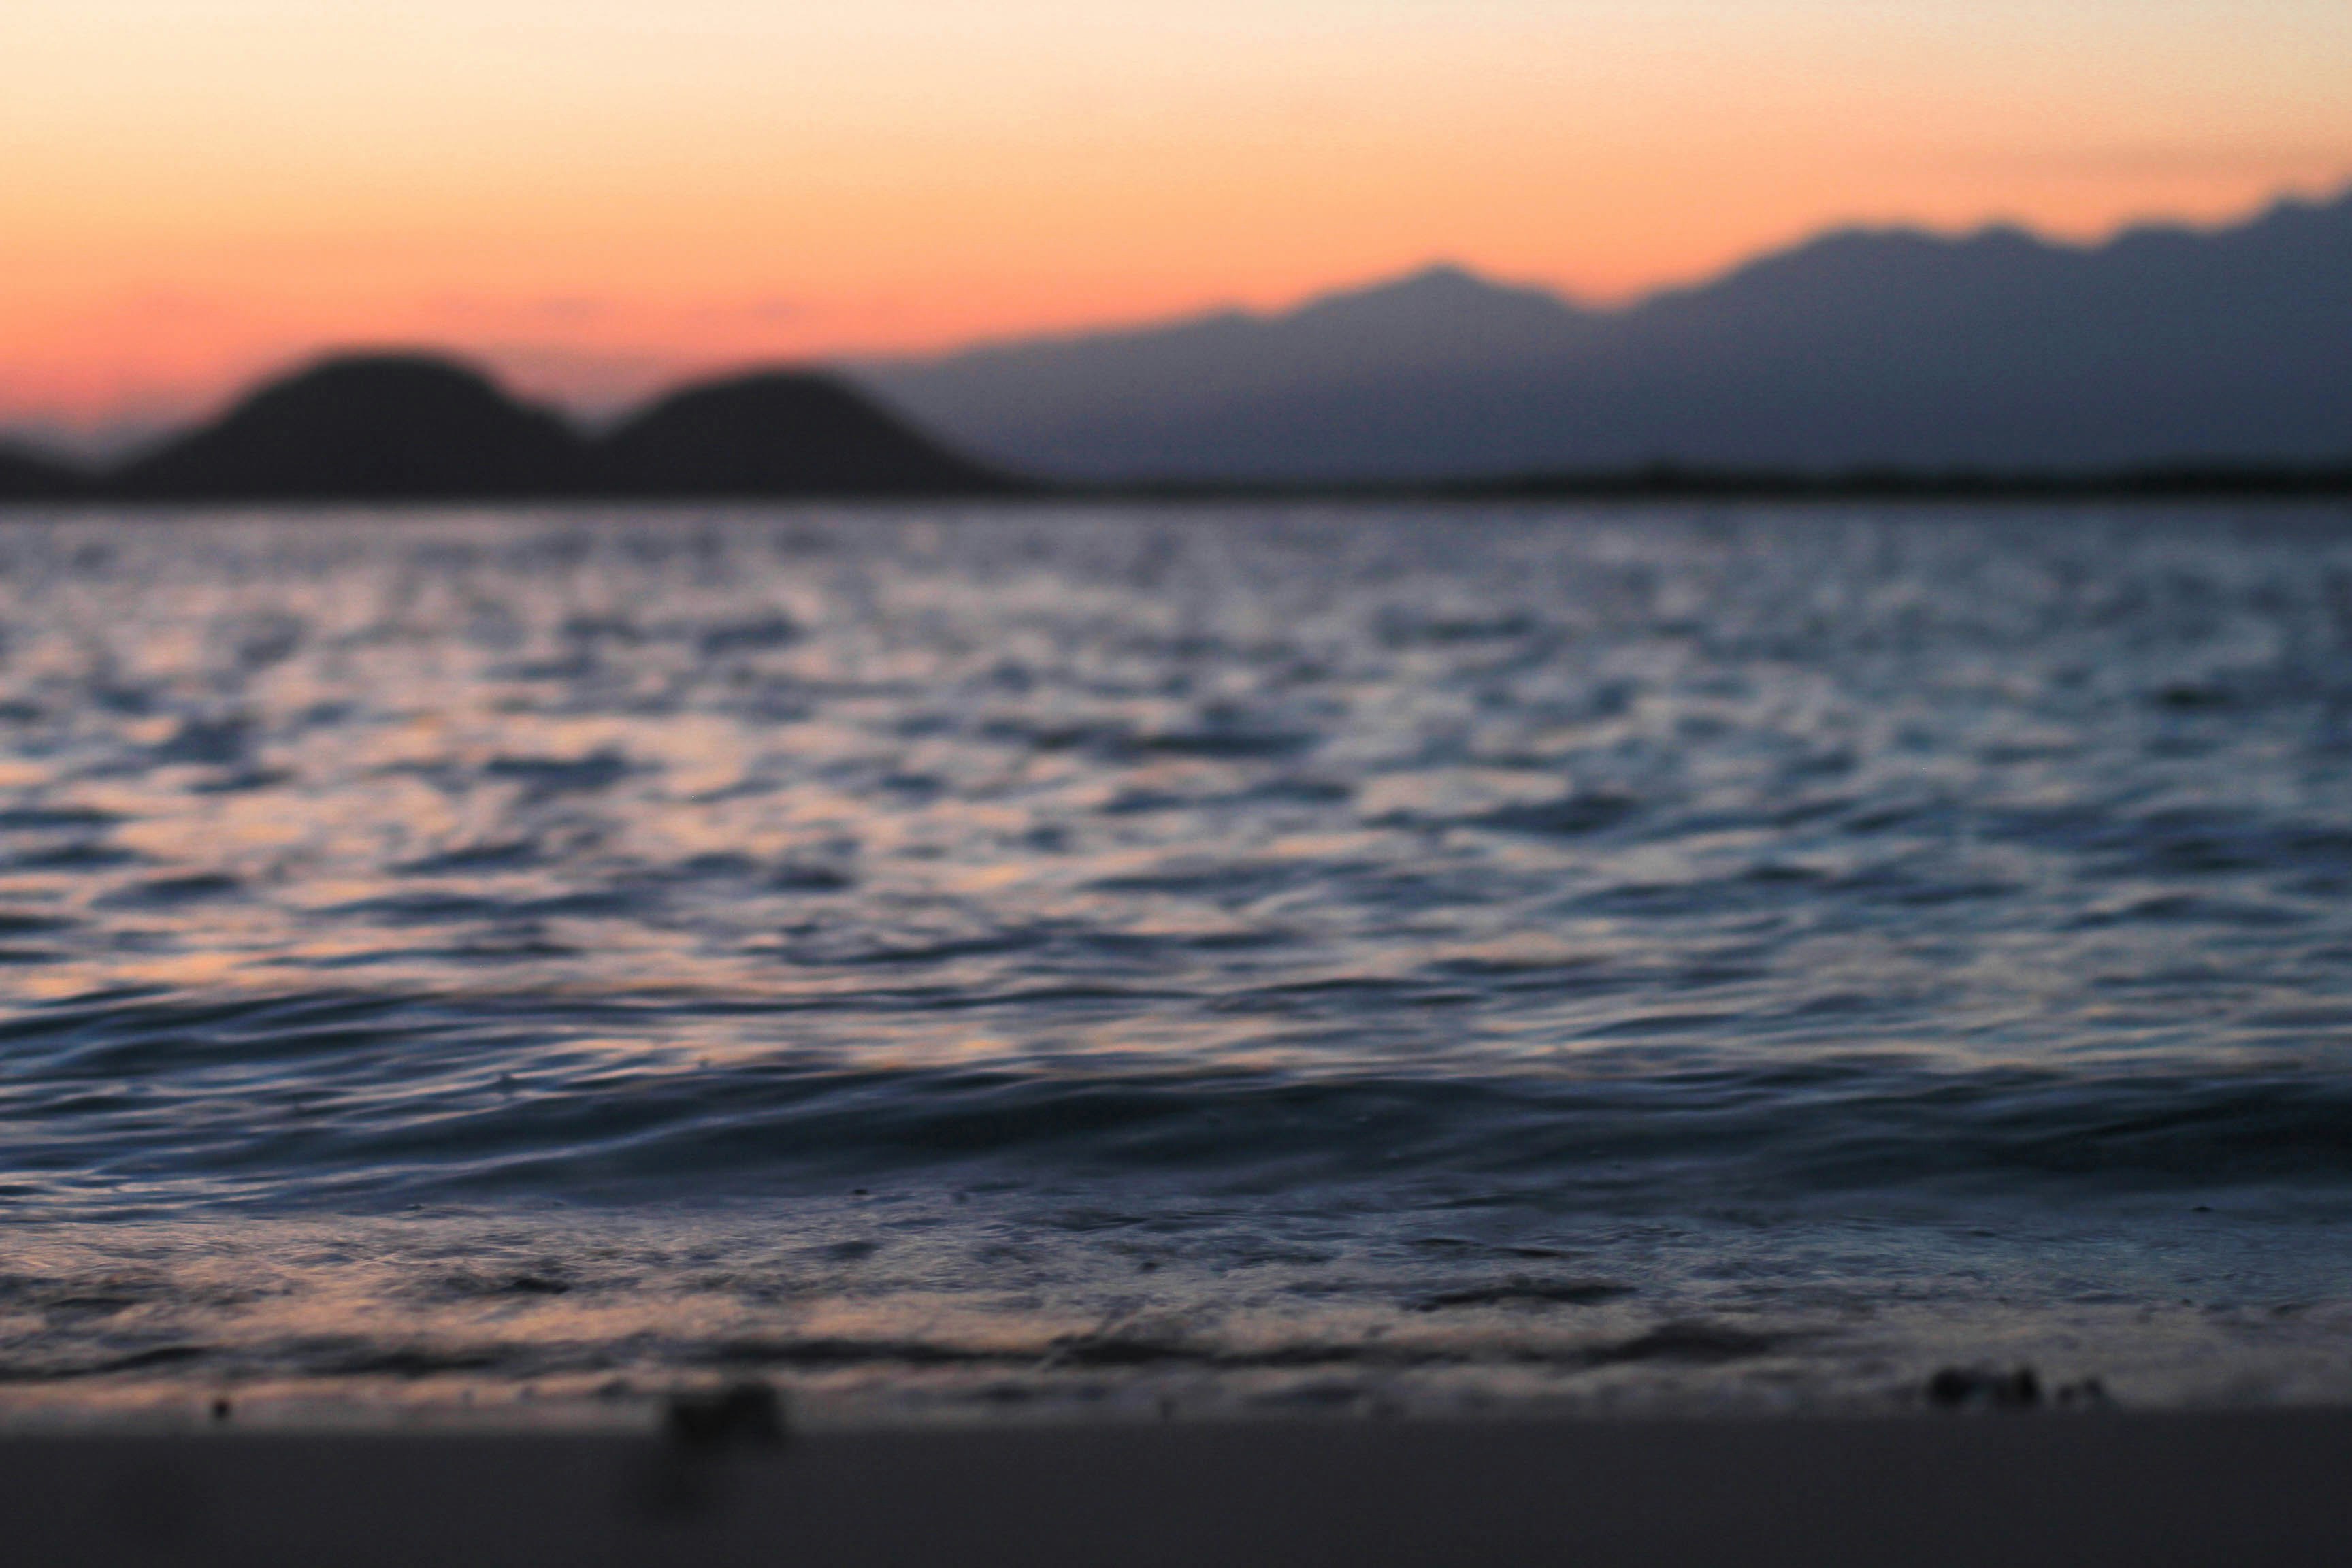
599	194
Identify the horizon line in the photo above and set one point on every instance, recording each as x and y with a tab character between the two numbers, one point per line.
114	440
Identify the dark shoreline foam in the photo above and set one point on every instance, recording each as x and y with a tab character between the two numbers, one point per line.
2254	1488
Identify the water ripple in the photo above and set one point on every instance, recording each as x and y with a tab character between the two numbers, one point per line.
1737	894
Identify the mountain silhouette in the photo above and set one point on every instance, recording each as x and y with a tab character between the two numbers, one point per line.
415	427
2223	352
1864	347
778	433
1078	403
27	476
386	426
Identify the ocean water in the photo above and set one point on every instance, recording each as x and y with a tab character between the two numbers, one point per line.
965	964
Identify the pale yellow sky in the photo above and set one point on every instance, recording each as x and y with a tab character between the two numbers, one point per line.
598	196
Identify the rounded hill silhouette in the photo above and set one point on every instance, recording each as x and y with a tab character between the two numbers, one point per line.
778	433
415	426
26	477
386	426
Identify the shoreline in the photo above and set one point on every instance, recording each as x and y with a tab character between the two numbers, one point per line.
2241	1486
2152	483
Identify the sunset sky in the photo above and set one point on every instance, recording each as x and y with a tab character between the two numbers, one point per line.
599	194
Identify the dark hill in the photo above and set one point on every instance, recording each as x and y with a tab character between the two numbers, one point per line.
24	476
394	427
416	427
778	433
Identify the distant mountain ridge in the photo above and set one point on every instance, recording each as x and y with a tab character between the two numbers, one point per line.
2161	358
415	427
1863	347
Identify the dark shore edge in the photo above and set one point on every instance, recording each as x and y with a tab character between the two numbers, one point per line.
1672	482
2250	1487
2156	485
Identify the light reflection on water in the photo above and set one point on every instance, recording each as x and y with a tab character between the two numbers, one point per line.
1065	958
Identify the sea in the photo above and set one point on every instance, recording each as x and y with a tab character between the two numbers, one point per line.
1063	962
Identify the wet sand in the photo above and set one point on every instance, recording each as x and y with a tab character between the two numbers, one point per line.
2242	1488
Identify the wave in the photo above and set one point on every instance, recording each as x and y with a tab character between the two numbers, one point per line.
346	1096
